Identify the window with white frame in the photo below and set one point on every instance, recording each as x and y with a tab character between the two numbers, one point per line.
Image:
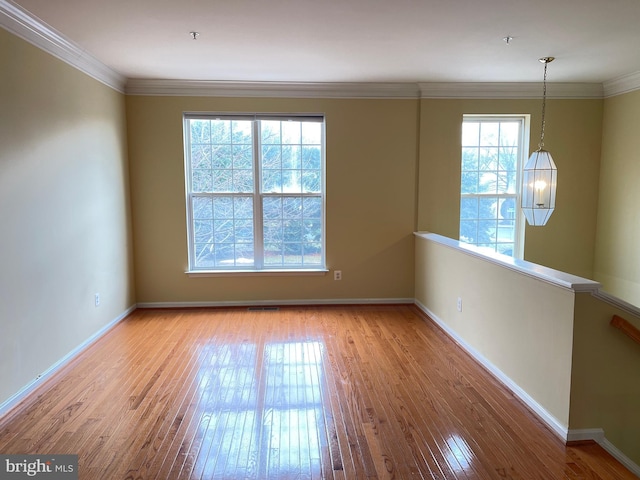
255	192
492	158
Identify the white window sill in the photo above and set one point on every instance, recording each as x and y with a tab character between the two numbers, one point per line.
257	273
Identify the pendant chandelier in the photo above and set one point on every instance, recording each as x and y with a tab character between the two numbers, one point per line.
539	176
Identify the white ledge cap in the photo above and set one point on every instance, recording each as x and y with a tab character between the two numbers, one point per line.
546	274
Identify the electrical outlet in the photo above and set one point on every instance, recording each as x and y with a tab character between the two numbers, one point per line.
459	304
337	274
97	299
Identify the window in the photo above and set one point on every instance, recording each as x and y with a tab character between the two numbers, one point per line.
492	151
255	192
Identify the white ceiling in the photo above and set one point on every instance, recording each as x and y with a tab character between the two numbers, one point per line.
353	40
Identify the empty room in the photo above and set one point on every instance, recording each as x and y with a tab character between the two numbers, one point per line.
295	239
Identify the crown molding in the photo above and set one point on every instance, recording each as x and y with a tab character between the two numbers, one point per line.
509	90
208	88
23	24
624	84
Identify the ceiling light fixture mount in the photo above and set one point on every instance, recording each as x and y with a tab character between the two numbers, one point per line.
194	35
540	174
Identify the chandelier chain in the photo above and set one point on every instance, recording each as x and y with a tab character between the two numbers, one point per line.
544	105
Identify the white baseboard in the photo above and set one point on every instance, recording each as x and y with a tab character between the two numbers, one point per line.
579	435
15	399
252	303
621	457
597	435
558	428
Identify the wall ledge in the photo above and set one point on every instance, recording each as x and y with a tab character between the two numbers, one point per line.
545	274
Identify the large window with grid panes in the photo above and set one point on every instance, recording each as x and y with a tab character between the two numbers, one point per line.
255	192
492	158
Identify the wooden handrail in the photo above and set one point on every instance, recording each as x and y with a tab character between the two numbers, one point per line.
626	327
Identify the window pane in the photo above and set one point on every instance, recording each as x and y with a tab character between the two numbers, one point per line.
220	131
468	231
489	132
291	156
488	208
222	157
508	158
270	132
242	181
241	132
273	254
311	158
510	133
244	255
468	208
223	207
470	133
508	210
486	231
291	133
203	231
488	160
293	253
272	181
292	207
469	159
222	172
272	231
488	182
202	208
312	232
243	156
200	131
490	164
506	248
200	156
311	133
292	181
272	208
311	180
243	208
202	181
312	207
204	255
469	182
312	253
222	182
271	157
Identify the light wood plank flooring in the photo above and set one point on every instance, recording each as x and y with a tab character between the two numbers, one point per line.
340	392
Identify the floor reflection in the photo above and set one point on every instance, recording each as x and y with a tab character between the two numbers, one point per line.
459	454
262	411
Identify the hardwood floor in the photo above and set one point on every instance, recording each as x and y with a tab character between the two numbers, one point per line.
340	392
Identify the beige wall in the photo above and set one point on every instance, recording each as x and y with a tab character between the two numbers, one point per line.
63	211
572	135
617	257
521	325
371	156
605	383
